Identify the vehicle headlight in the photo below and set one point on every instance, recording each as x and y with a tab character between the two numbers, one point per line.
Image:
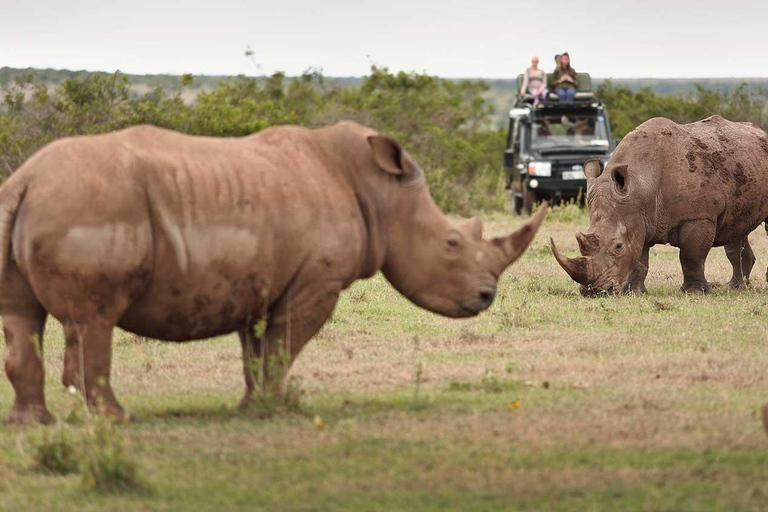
540	169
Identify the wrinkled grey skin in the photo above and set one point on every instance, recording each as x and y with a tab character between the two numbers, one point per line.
693	186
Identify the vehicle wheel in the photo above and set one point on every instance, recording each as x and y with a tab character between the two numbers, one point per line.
515	203
515	200
529	197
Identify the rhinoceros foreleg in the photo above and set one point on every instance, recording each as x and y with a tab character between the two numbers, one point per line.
742	260
23	323
695	241
292	322
636	281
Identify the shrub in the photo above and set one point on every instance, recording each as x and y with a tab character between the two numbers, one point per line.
629	109
106	464
56	452
95	449
444	124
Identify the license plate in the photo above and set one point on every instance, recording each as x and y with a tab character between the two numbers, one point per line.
574	175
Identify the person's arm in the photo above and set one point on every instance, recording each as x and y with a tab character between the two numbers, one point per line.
544	83
575	80
524	87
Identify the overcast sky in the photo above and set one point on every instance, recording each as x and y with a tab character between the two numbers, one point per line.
479	38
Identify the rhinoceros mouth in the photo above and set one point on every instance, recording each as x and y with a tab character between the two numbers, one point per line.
464	312
592	291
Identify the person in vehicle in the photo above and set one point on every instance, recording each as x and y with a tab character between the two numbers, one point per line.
543	129
564	81
534	82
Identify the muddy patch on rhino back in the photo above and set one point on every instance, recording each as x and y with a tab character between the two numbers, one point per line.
740	179
709	162
699	143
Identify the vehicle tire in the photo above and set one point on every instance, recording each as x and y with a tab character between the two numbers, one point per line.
515	200
529	197
515	203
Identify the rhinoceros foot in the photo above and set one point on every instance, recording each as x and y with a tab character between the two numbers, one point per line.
29	415
737	284
696	287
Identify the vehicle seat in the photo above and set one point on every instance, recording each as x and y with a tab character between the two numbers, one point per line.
526	98
584	91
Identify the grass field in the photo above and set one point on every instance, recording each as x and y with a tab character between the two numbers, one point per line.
548	402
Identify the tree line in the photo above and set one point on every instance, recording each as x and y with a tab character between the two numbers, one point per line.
446	125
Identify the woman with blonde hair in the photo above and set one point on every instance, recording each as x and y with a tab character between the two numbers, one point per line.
534	82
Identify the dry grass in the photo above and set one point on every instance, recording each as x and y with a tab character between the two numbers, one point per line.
627	403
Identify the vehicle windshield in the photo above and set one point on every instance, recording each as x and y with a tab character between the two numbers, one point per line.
576	130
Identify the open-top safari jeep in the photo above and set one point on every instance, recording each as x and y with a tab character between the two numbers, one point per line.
548	143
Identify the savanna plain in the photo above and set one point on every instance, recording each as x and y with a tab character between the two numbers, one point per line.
548	401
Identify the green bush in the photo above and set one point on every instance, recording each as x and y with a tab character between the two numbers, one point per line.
445	125
629	109
56	452
106	464
94	448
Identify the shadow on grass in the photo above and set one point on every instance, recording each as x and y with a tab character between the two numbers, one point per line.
488	392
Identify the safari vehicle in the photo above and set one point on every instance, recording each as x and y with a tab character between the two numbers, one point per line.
548	143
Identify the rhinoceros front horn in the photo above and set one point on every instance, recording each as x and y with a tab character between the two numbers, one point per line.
514	245
580	269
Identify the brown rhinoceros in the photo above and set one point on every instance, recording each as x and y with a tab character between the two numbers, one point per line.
179	237
693	186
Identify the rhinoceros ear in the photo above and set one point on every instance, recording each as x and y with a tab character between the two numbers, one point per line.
390	156
592	170
619	174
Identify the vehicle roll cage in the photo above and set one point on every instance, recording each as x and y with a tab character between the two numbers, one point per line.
583	95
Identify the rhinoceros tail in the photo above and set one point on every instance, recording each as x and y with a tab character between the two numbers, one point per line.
11	194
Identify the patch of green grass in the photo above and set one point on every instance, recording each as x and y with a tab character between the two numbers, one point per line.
548	401
55	452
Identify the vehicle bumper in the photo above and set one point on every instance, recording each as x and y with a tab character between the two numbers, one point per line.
557	186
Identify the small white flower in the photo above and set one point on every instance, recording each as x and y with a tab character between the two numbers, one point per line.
72	389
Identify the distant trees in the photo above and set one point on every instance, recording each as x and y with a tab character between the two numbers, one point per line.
629	109
443	124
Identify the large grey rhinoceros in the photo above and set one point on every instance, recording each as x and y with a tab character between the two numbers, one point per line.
179	237
693	186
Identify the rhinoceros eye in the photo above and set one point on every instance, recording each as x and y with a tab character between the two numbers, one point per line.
453	240
619	246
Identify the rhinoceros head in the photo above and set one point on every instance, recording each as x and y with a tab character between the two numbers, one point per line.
612	247
440	264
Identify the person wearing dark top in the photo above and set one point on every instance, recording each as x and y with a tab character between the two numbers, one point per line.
563	80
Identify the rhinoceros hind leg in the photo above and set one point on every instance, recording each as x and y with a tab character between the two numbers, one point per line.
696	239
23	323
89	348
251	345
742	260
